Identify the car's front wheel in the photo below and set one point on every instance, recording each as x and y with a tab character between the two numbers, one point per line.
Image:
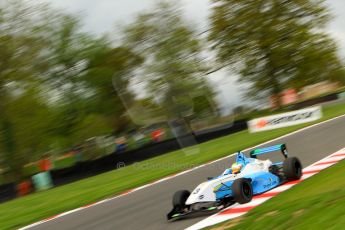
180	198
242	190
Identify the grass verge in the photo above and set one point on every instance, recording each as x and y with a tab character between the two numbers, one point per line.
41	205
322	207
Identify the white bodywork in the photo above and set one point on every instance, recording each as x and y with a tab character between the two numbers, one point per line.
204	192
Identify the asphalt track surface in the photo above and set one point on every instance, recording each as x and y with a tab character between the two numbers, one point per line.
147	208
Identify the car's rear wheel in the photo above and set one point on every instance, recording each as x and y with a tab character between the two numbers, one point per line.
292	168
242	190
180	198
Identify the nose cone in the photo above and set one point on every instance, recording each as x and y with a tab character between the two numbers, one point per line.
202	193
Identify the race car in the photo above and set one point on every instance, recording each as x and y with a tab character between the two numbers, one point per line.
248	176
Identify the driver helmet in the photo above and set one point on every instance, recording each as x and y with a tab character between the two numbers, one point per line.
236	168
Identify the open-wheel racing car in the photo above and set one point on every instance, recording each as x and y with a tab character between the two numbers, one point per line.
248	176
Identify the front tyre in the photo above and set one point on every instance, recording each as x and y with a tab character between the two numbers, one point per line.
180	198
242	190
292	168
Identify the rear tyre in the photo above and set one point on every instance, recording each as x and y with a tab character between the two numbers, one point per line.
180	198
292	168
242	190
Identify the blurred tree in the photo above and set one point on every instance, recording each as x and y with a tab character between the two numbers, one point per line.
174	69
81	88
20	64
108	66
275	44
153	114
43	59
31	120
239	110
68	54
204	107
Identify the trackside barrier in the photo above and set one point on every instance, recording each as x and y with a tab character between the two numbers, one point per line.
42	181
341	95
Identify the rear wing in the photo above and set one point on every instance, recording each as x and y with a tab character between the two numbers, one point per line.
256	152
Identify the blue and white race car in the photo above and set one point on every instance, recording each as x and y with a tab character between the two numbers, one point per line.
248	176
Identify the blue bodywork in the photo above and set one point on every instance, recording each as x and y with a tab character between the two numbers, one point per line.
261	181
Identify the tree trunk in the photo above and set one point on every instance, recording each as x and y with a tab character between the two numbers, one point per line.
276	90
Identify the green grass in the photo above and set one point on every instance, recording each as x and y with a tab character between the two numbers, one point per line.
317	203
40	205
